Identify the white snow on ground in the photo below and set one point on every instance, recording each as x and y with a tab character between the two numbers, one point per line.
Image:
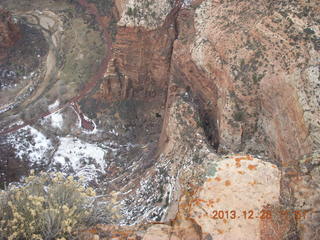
6	108
186	2
85	159
29	142
17	123
79	118
56	120
54	105
94	131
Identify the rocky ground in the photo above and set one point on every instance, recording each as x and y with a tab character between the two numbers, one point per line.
194	119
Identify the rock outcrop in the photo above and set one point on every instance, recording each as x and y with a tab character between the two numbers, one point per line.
9	29
9	32
207	111
255	57
230	204
149	14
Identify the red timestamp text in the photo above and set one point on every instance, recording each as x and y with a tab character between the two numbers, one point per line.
253	214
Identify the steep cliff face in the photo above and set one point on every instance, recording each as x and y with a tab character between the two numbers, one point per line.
254	67
9	32
251	69
255	58
139	67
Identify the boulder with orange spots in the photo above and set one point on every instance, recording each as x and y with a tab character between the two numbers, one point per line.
230	203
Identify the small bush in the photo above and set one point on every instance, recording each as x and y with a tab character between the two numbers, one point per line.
49	206
130	11
239	116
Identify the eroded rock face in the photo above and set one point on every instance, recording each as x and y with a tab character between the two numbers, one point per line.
255	59
9	32
168	92
253	65
230	204
146	13
9	29
139	68
307	196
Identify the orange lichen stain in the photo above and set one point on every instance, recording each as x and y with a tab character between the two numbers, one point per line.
218	179
227	183
240	158
93	231
210	202
249	157
228	165
210	179
273	166
195	201
225	221
220	231
253	182
238	163
252	167
184	205
201	200
241	172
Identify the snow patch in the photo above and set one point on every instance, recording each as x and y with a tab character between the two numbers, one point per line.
54	105
31	144
95	130
186	3
82	158
56	120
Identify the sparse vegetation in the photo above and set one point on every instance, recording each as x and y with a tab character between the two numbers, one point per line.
130	11
257	77
308	31
48	206
199	121
197	159
212	170
104	6
238	116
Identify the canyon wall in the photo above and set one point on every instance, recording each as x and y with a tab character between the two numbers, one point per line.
250	70
198	106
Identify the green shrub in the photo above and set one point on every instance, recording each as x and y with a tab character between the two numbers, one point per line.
130	11
49	206
239	116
